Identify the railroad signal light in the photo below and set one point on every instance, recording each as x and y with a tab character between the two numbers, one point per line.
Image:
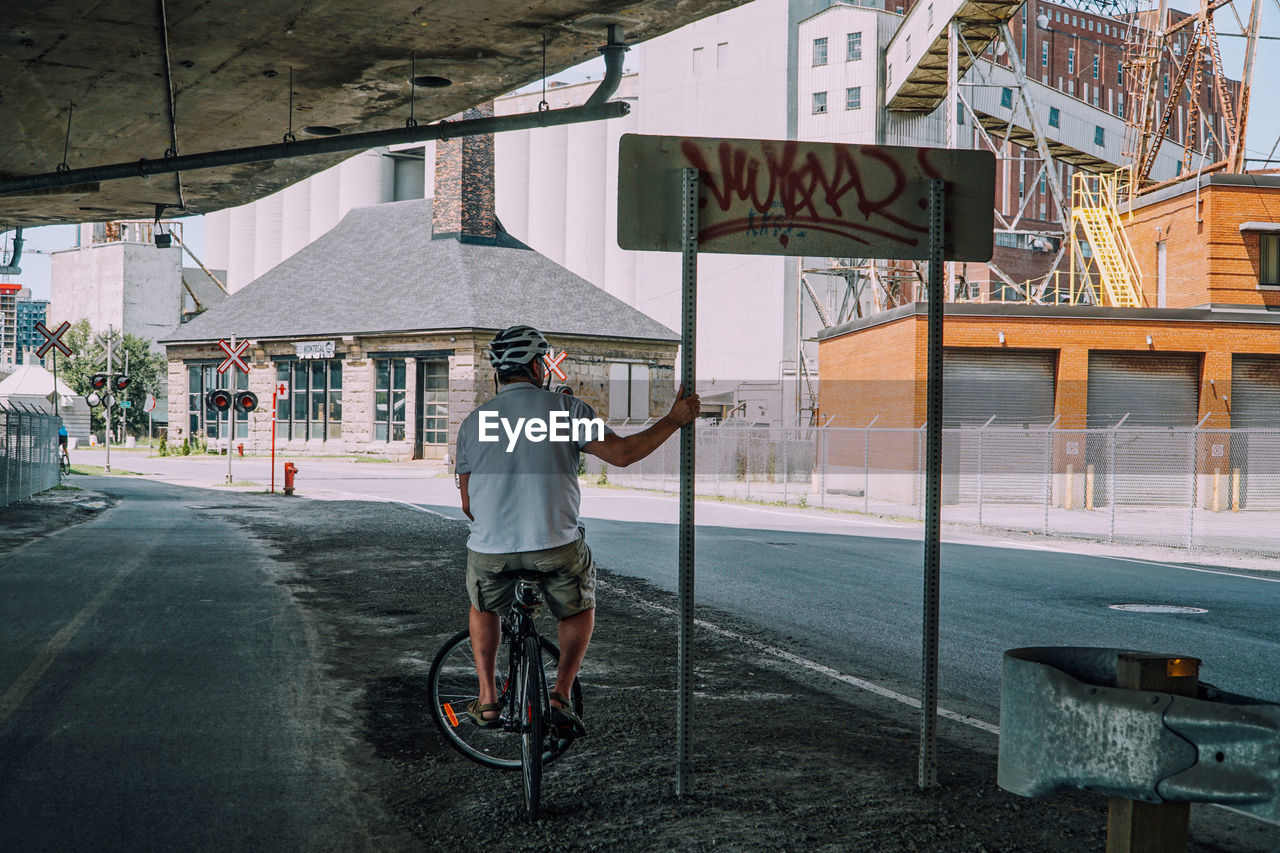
218	400
99	381
120	382
246	401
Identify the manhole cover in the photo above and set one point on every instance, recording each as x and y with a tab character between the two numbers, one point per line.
1157	608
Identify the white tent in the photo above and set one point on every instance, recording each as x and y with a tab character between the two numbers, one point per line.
32	386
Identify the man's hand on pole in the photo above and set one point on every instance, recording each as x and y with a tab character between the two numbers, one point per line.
685	409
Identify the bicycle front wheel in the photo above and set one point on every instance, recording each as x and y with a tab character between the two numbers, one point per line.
452	685
533	713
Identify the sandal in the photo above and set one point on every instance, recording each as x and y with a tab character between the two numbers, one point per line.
477	712
562	717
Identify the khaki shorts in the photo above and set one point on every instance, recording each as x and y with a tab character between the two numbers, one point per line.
570	584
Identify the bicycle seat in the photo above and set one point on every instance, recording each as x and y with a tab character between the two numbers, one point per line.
528	575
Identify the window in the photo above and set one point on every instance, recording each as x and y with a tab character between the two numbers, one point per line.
1099	136
1120	104
819	103
1044	185
1006	97
820	51
1097	95
1095	66
722	54
1166	85
1071	60
314	410
959	114
388	399
1044	55
435	403
1006	239
203	377
853	98
1054	117
697	59
1119	73
628	390
854	49
1269	260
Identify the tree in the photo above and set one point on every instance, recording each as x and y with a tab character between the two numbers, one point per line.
147	372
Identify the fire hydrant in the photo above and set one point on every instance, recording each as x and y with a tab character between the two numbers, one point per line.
289	470
240	447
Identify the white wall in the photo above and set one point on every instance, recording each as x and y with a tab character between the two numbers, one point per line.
248	240
133	287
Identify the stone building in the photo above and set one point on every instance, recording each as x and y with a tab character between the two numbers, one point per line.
377	331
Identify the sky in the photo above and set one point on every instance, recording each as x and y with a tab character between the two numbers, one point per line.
1261	138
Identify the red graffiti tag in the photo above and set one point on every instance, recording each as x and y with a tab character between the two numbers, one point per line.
792	191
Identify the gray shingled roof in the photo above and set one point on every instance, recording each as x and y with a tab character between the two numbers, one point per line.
378	270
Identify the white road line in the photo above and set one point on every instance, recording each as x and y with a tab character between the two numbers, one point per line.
16	693
791	657
1030	547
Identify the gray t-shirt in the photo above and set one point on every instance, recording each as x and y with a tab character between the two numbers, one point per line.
524	479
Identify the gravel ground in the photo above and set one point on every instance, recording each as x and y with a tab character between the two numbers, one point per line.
783	758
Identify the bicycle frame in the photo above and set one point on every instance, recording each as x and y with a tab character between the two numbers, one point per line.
517	626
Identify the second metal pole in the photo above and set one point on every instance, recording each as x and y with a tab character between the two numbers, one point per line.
689	331
928	769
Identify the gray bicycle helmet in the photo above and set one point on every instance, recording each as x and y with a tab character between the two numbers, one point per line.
517	347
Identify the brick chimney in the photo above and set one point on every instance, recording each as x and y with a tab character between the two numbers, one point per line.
463	205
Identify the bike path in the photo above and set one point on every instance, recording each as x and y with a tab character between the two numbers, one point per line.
157	690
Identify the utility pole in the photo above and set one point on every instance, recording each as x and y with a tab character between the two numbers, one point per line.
123	410
106	420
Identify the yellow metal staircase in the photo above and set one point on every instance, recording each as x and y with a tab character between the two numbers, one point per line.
1110	270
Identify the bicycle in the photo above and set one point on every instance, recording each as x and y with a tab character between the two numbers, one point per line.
64	462
523	693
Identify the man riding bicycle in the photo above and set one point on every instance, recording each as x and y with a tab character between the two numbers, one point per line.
521	494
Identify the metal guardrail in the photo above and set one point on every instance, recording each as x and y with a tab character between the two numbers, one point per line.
1064	724
1192	488
28	452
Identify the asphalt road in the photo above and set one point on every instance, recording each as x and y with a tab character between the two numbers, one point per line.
160	693
851	599
847	589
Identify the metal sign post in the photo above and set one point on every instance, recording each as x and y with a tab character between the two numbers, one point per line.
54	340
688	335
281	392
231	362
927	776
108	342
788	197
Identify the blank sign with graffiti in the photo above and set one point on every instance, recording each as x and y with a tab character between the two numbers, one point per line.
785	197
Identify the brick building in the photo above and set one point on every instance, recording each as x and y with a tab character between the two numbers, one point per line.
1204	350
378	330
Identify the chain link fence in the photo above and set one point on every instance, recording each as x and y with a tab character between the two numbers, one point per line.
29	461
1183	487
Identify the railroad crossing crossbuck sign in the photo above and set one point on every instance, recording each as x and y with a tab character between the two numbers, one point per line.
54	339
553	364
233	356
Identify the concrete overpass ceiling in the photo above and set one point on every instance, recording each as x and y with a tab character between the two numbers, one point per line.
229	63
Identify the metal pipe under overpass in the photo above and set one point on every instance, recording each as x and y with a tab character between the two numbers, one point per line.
595	109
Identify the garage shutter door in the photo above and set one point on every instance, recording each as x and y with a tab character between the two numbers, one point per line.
1017	388
1157	391
1255	405
1152	389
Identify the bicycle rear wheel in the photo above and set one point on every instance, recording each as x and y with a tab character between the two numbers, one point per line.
533	713
452	685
